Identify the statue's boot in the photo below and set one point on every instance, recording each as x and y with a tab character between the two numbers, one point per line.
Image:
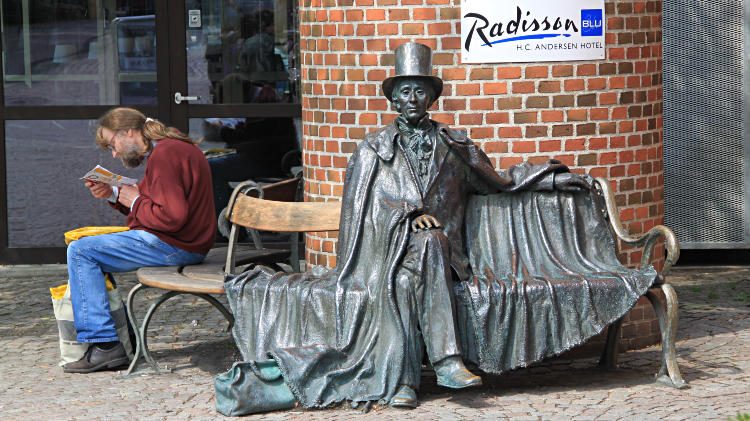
405	397
451	372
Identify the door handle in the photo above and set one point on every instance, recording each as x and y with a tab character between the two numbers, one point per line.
178	98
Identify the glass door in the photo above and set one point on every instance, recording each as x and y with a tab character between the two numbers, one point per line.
226	71
239	92
65	63
241	78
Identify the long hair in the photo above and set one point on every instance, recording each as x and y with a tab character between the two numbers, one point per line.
123	118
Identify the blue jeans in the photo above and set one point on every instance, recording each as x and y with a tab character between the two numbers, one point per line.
90	257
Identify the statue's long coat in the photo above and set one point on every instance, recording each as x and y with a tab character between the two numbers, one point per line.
337	335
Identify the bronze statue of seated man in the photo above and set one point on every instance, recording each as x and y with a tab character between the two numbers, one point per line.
359	331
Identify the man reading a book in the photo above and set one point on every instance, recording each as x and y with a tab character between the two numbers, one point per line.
171	218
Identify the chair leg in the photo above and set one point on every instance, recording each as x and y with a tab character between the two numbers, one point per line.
608	359
669	373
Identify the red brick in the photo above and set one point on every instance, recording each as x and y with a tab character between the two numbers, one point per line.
549	86
535	72
495	88
497	118
552	116
454	74
387	29
481	132
467	89
412	29
481	74
521	146
549	146
472	119
574	84
586	70
525	117
374	14
482	104
562	70
495	147
424	13
523	87
509	132
454	104
365	29
509	72
439	28
450	13
599	114
575	144
450	43
398	14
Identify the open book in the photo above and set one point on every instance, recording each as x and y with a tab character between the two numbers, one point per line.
103	175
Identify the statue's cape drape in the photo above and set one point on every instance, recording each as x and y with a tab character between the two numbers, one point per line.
336	334
546	277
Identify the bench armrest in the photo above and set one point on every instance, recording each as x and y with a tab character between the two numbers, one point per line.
243	188
647	240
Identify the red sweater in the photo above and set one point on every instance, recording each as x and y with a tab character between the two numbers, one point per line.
176	201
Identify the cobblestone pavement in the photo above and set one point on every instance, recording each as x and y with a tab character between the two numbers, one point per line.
189	336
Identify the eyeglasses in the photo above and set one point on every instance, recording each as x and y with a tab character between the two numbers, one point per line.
111	143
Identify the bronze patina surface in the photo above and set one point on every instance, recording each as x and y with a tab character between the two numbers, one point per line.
439	254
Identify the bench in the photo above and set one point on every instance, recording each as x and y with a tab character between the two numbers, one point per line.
667	312
260	214
271	210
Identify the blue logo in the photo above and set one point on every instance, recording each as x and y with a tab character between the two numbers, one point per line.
592	23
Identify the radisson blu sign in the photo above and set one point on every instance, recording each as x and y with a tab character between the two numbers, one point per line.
500	31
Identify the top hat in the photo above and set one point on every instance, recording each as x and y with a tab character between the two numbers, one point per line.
413	61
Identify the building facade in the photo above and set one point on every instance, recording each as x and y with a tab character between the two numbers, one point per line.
600	117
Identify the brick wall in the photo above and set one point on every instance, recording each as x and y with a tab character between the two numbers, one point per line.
600	117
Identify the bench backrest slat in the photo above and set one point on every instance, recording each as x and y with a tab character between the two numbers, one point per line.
269	215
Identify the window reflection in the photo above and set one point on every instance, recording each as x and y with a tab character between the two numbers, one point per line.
240	149
243	52
79	52
45	161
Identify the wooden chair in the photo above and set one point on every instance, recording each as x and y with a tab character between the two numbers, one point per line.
266	211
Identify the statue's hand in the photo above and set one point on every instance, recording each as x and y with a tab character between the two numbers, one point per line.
572	182
424	222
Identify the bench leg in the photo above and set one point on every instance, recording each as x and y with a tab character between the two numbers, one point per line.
669	373
140	337
138	334
146	320
608	359
219	306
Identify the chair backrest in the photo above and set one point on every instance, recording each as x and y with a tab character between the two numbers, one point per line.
270	215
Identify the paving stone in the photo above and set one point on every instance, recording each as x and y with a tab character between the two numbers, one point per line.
190	336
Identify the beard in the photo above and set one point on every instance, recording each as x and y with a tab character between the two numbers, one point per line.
132	158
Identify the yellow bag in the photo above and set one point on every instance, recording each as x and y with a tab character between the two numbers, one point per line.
78	233
72	350
58	292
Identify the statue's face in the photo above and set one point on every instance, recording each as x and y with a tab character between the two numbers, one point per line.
412	98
